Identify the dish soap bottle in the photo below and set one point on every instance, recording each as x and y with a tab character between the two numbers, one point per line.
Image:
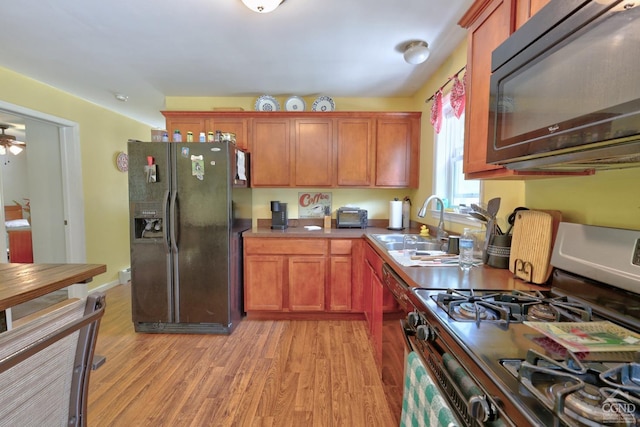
466	250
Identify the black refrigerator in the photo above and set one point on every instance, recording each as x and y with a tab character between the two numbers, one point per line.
189	204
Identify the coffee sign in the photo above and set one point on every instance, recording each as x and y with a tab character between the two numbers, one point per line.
313	205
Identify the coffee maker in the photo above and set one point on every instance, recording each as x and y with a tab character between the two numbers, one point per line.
279	220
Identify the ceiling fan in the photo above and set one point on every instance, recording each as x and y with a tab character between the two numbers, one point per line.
10	143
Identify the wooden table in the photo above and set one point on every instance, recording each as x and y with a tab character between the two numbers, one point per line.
23	282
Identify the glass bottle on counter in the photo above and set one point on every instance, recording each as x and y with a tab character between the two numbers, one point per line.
466	245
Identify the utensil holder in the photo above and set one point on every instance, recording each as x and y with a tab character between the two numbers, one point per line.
499	250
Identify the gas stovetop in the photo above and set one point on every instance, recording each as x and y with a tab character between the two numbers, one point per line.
513	306
549	383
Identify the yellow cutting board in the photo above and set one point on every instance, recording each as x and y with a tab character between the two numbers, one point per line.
531	246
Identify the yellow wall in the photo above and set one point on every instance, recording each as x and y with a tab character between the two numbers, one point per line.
207	103
608	198
102	135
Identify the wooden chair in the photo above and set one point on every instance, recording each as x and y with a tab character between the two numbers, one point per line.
45	365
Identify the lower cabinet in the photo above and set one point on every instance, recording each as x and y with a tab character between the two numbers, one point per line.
263	282
307	277
378	299
301	275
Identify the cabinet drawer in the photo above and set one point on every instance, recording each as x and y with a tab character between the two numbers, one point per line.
340	247
277	246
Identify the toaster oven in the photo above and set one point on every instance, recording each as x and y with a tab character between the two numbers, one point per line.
351	218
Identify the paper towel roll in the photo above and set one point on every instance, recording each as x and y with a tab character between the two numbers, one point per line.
395	215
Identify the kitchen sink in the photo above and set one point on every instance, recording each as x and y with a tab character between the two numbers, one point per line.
394	242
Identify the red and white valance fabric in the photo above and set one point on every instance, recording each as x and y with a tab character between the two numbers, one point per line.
457	97
436	111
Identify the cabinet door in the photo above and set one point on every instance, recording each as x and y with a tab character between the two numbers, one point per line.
525	9
492	27
270	149
237	125
354	157
397	152
357	275
377	291
339	289
307	276
185	124
313	157
340	284
263	280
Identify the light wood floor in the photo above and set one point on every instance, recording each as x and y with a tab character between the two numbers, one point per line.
267	373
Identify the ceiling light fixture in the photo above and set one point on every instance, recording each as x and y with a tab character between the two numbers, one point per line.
9	142
416	52
262	6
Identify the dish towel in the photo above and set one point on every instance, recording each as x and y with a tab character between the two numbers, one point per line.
422	403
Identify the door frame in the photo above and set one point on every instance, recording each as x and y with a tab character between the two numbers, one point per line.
72	187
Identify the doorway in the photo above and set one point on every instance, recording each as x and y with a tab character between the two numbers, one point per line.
54	187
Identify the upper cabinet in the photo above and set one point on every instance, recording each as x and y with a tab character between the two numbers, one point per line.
397	157
313	152
196	122
311	149
489	23
525	9
270	147
354	152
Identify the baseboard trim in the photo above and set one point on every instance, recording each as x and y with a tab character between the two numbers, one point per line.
105	286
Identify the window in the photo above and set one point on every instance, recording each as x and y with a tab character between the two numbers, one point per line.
449	146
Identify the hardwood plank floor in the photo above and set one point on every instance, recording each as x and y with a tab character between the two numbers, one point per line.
267	373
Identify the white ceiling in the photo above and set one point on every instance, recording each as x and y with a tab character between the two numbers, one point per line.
150	49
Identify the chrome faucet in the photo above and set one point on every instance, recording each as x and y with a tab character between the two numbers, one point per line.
440	234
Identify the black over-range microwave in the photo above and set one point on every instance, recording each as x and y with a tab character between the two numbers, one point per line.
565	89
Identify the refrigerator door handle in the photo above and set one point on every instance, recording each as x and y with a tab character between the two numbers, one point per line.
165	197
172	225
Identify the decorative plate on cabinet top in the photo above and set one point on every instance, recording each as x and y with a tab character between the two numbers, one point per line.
267	103
295	103
324	104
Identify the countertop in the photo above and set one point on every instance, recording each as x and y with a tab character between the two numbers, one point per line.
433	277
329	233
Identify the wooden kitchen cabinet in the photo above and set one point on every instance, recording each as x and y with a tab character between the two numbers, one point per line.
397	152
312	275
311	149
378	299
313	152
270	148
186	124
264	279
237	125
489	23
339	287
525	9
354	152
196	122
307	277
